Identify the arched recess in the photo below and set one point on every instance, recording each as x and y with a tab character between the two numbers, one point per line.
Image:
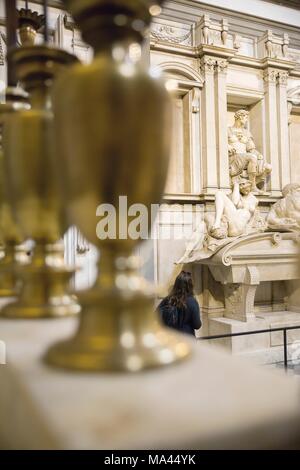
294	96
186	77
184	170
294	132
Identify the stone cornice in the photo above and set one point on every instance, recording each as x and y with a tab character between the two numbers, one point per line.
188	11
281	64
241	252
215	51
179	49
220	52
190	198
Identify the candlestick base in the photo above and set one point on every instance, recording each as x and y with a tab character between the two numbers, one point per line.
118	334
43	294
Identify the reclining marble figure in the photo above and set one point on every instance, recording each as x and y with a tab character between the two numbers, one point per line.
236	214
285	213
236	211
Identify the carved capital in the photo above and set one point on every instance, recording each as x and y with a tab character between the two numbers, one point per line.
270	76
221	65
207	64
283	78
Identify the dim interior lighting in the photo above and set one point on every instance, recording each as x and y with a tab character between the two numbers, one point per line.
118	53
120	20
127	70
155	72
135	52
127	339
171	84
155	10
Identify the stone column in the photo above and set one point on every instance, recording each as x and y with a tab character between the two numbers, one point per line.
221	123
270	76
195	128
208	118
283	129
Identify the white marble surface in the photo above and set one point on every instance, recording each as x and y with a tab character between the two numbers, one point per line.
210	401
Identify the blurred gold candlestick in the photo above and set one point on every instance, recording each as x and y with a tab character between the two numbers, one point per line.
115	143
30	172
29	22
14	252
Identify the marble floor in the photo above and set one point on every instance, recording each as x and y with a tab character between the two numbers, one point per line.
293	368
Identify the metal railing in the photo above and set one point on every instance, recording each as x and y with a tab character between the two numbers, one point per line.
256	332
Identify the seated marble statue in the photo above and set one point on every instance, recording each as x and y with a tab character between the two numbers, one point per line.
285	213
244	159
234	213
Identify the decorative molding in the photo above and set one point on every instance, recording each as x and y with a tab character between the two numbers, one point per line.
283	78
207	64
210	32
270	76
167	33
221	65
181	70
240	23
273	46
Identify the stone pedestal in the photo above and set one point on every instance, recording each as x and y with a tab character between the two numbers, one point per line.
211	401
266	347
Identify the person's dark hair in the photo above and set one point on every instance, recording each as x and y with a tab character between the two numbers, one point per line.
182	288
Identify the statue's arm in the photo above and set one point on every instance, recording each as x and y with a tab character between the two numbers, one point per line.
250	143
231	149
236	196
278	216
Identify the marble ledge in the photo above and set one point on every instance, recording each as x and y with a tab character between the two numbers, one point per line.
193	198
211	401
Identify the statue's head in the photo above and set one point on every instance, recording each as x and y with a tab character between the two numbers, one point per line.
241	116
290	189
245	186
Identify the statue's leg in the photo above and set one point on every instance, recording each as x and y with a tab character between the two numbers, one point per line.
224	206
252	172
219	205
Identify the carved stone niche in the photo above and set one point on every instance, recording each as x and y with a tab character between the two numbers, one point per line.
273	47
211	33
244	263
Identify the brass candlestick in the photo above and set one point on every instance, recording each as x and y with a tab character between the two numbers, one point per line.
14	252
112	120
28	143
29	23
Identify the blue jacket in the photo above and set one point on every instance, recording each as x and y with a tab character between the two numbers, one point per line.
191	320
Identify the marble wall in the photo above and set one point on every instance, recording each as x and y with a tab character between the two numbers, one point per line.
222	60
